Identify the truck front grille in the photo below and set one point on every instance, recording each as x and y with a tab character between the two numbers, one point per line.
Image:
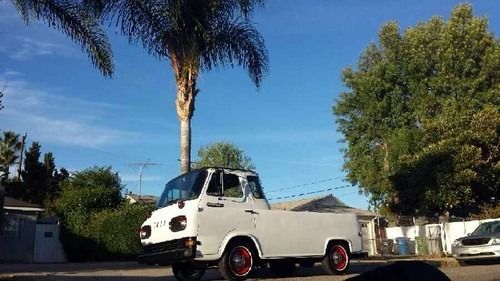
164	246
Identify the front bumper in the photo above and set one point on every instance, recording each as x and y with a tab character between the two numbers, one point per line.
168	252
476	252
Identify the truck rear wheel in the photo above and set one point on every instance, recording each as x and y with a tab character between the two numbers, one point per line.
237	262
186	272
336	260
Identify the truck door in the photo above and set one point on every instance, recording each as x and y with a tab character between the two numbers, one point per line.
224	208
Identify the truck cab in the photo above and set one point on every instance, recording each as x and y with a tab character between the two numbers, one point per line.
219	217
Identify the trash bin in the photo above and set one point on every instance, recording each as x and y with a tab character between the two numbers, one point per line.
402	246
386	247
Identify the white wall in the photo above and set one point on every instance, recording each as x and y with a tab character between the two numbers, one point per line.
449	232
403	231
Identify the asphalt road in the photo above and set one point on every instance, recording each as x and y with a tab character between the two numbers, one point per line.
135	272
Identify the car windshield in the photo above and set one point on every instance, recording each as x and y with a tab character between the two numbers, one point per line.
488	228
184	187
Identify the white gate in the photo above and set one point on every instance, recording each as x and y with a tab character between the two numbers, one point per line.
365	235
48	248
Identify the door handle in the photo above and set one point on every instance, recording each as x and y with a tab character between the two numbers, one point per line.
216	205
251	212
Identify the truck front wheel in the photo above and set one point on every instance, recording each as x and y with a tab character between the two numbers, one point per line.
336	260
186	272
237	261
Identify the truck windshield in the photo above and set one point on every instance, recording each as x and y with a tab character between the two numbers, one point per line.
184	187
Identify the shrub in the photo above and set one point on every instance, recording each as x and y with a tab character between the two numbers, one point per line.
117	231
488	212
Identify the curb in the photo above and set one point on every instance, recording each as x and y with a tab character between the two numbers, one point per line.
437	262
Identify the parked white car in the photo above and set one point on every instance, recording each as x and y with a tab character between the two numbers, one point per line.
482	243
217	217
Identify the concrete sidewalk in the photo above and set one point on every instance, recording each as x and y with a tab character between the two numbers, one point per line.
435	261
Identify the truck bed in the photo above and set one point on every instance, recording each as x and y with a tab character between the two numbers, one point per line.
303	234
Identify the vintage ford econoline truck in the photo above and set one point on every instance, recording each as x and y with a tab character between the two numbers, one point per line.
218	217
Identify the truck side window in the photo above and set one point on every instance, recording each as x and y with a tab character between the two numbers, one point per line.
255	186
232	186
214	186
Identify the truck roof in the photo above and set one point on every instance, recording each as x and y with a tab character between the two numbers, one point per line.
241	171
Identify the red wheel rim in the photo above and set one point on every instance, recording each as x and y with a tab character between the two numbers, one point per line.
339	257
240	261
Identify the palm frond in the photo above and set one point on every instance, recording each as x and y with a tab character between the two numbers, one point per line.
80	25
141	21
94	7
193	33
238	42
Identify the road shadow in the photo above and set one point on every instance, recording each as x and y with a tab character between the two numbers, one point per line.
89	278
403	270
69	267
132	272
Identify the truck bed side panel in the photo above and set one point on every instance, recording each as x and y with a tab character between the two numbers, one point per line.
301	234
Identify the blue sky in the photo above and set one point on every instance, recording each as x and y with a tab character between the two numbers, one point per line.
287	128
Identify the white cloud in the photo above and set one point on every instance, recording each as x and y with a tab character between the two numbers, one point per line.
23	49
12	73
59	119
278	136
71	132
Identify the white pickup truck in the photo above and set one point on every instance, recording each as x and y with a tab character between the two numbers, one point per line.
218	217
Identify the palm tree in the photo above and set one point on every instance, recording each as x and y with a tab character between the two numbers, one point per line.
9	147
74	19
194	35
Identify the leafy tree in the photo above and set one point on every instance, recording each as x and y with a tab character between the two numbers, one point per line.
9	149
76	21
33	176
420	119
40	180
223	154
96	224
85	192
194	35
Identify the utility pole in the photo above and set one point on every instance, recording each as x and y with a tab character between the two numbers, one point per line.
23	140
141	166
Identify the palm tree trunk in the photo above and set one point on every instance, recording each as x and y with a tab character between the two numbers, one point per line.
185	145
186	93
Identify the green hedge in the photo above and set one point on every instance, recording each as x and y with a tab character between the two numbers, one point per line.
110	234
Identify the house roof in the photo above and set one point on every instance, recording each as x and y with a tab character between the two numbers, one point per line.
143	198
15	204
326	204
288	205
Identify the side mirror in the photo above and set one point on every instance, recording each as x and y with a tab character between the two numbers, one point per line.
469	234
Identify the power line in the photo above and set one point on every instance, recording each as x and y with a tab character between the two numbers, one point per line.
304	184
141	166
311	192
